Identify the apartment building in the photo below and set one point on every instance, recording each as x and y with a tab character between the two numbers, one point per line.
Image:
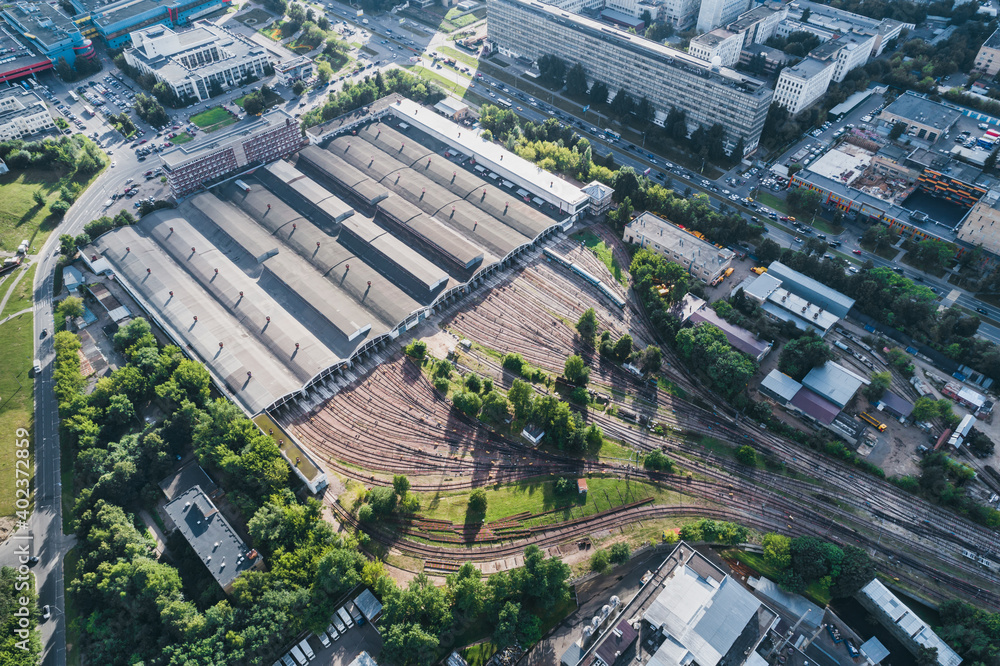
721	44
988	59
846	52
715	13
760	23
191	63
803	84
214	156
682	14
22	114
665	76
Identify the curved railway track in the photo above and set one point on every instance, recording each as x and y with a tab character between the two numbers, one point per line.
392	422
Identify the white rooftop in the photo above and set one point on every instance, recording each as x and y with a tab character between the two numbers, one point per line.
492	155
916	628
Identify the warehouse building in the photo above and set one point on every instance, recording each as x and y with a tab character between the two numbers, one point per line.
196	62
787	295
284	279
835	383
905	625
665	76
23	114
924	118
212	157
702	259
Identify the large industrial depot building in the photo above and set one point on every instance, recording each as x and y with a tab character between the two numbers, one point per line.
666	76
281	279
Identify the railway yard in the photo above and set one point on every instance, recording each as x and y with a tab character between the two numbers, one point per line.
391	420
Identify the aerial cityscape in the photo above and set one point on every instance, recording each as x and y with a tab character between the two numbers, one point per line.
499	333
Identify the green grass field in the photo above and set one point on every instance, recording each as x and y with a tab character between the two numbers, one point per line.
20	217
70	562
16	404
479	654
21	297
540	496
460	56
183	137
213	119
604	253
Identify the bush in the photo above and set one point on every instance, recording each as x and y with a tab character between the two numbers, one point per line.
656	461
467	402
599	561
59	208
746	455
576	371
513	362
442	384
473	383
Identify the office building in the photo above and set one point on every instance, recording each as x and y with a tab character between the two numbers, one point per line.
682	14
988	59
22	114
211	536
846	52
715	13
702	259
114	22
772	58
196	62
213	156
49	31
979	227
799	86
719	43
903	623
840	22
666	77
759	24
295	69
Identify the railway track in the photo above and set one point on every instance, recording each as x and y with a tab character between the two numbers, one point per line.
392	422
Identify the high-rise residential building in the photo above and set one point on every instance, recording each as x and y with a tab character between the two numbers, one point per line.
715	13
759	23
191	63
644	68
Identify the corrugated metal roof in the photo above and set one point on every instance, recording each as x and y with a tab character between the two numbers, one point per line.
780	384
907	620
739	337
896	404
369	606
811	289
833	382
815	406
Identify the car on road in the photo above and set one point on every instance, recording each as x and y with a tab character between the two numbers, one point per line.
46	612
798	240
33	560
982	311
858	252
853	269
113	164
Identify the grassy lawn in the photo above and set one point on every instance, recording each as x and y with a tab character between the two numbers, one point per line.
936	271
183	137
431	75
20	217
539	496
772	202
818	591
460	56
889	253
72	621
254	17
21	297
604	253
478	655
213	119
16	404
273	31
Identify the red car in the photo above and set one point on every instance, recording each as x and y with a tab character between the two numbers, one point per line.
856	251
142	142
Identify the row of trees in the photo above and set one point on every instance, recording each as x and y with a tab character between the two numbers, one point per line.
944	481
354	96
803	561
74	156
20	644
150	110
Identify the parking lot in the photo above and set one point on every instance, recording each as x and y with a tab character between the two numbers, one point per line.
346	648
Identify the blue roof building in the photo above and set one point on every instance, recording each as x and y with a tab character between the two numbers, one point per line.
834	382
114	22
49	31
811	290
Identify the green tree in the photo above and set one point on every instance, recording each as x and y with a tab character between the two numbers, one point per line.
66	244
880	383
575	370
623	348
598	93
576	81
552	70
897	130
521	397
473	383
803	201
767	251
801	355
400	484
600	561
656	461
416	349
120	410
586	326
620	553
651	359
382	500
746	455
478	501
777	551
39	197
71	306
496	407
856	570
59	208
924	409
467	402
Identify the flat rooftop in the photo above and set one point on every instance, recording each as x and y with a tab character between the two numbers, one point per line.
844	164
669	56
221	550
808	68
923	111
46	22
207	144
125	9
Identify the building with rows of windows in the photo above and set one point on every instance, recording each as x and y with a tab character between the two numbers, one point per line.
22	114
244	145
194	62
665	76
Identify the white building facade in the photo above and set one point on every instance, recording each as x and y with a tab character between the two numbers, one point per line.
191	63
800	86
22	114
721	44
715	13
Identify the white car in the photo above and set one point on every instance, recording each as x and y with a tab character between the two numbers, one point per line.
113	164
